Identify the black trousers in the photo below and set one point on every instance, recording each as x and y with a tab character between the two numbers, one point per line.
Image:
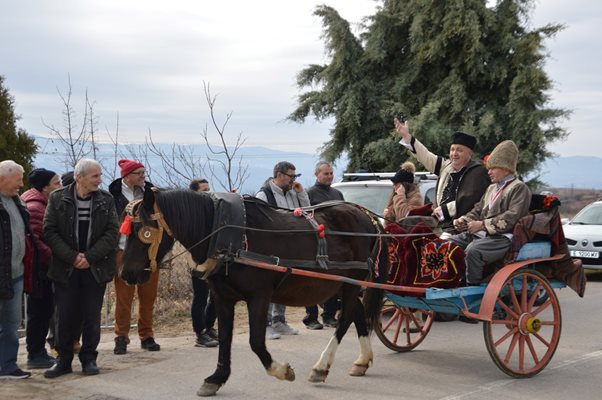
202	309
78	306
40	308
330	309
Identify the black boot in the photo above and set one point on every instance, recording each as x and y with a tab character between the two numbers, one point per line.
89	367
58	369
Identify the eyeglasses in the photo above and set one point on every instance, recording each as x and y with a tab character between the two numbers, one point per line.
292	176
138	173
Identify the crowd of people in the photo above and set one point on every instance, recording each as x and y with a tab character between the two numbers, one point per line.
61	246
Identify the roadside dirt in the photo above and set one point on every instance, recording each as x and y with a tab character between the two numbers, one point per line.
176	334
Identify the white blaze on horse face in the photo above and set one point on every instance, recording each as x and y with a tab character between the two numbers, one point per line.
327	356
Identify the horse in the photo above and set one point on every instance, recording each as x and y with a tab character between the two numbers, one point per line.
352	240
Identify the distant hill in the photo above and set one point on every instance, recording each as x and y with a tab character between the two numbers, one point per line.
575	172
561	172
260	161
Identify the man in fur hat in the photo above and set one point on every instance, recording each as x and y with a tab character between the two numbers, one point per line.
461	182
487	228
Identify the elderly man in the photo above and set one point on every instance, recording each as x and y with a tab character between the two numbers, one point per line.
131	186
16	255
82	229
285	192
40	303
461	182
487	228
320	192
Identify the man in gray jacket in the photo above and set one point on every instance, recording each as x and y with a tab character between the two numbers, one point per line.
285	192
82	229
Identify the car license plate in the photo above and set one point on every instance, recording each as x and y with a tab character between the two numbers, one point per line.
585	254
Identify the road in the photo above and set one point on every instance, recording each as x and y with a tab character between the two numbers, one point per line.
451	364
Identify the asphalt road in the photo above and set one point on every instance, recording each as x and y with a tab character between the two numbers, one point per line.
451	364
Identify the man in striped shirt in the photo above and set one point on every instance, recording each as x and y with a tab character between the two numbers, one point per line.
81	228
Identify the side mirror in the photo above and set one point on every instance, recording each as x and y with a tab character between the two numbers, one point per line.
564	221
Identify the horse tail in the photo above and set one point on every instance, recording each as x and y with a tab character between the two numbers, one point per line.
380	273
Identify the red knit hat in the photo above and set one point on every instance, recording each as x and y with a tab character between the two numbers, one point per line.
128	166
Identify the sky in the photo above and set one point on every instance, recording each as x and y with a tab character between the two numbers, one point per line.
146	61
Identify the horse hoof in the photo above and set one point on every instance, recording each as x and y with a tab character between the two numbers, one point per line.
208	389
358	370
318	376
290	374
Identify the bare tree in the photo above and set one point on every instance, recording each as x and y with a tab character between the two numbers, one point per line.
224	158
222	164
75	141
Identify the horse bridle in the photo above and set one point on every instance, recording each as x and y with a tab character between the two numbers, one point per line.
149	234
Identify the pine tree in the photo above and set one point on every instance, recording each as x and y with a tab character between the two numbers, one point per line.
447	65
15	143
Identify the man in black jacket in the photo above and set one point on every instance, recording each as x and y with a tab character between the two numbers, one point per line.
131	186
15	266
320	192
462	181
81	228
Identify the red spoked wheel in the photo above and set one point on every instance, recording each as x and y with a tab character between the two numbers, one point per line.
401	328
525	328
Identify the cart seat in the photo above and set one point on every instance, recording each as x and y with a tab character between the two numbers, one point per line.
536	249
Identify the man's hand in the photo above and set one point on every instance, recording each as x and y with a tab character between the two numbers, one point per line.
402	130
460	224
81	262
297	187
476	226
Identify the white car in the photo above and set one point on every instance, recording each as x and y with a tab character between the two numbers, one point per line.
372	190
584	235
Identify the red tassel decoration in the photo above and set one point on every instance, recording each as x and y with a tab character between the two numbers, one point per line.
126	226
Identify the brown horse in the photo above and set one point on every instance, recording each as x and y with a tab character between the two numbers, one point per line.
353	248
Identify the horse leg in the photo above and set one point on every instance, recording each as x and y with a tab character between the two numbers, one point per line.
360	366
225	320
320	369
258	310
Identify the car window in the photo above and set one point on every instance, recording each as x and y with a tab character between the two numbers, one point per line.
374	198
591	215
429	197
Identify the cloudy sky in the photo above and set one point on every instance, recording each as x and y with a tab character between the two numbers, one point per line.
147	61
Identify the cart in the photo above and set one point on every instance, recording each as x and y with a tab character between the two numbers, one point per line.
518	307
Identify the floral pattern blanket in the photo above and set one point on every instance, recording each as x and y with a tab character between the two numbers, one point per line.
425	260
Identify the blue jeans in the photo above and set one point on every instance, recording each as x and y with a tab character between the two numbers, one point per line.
10	318
276	313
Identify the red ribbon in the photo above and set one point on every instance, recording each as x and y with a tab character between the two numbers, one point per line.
126	226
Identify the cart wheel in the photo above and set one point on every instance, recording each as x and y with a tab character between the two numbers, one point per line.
525	327
401	328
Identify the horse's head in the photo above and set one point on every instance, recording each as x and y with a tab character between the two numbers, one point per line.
149	238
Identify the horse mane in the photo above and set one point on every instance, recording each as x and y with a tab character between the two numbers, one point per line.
189	214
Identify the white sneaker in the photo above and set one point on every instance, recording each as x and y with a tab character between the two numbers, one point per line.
271	334
284	329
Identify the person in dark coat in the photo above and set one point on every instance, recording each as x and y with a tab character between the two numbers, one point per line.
40	303
17	252
82	229
462	181
131	186
320	192
202	309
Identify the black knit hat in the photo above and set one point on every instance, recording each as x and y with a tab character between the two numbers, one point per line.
403	176
40	178
464	139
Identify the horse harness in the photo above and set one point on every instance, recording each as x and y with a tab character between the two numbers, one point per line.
148	234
